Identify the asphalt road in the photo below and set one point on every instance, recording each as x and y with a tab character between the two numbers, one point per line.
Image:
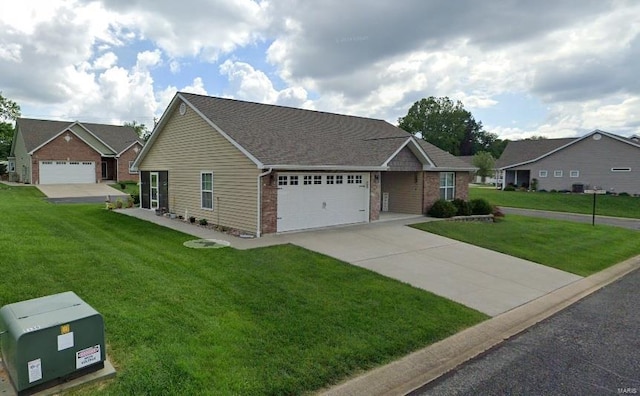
633	224
590	348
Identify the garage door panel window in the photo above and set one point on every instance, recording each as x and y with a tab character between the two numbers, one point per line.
447	185
338	179
206	190
330	179
283	180
317	179
293	180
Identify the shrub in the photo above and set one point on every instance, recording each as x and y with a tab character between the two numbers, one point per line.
123	185
136	198
553	190
498	214
509	188
534	184
203	222
480	206
119	203
442	209
624	194
462	207
192	219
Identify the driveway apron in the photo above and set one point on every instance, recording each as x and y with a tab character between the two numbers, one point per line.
482	279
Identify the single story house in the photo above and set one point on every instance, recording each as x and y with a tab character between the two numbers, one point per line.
60	152
264	169
597	160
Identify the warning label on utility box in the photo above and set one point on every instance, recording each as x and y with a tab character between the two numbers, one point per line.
87	356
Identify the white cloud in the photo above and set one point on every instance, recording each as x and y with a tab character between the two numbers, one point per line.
105	61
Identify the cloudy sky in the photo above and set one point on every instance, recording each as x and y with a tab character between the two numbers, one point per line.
555	68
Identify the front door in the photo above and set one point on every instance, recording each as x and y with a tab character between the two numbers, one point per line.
105	170
154	196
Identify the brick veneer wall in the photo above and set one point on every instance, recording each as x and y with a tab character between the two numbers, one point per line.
269	205
431	190
432	187
59	149
123	164
375	196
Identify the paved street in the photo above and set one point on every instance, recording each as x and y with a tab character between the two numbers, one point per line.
591	348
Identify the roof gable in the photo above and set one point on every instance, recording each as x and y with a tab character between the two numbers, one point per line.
105	139
287	138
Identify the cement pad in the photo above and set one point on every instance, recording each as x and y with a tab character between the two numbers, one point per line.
7	389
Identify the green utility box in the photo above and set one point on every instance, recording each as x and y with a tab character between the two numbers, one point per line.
50	339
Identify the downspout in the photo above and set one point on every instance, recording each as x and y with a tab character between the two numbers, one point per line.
259	222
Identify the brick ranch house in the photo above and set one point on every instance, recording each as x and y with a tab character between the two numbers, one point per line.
265	169
60	152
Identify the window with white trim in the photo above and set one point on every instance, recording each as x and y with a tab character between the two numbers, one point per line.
131	171
447	185
330	179
307	180
283	180
574	173
338	179
358	179
12	166
317	179
350	179
542	173
206	189
557	173
620	169
293	180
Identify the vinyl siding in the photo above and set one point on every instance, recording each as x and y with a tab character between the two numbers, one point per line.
23	159
594	160
187	146
405	191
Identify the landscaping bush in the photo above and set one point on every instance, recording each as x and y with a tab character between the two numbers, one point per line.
509	188
192	219
624	194
480	206
463	207
136	198
442	209
203	222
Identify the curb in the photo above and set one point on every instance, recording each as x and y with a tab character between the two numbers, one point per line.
417	369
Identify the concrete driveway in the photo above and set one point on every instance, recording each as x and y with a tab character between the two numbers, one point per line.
488	281
80	193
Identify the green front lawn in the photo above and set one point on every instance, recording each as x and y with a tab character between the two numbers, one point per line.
574	247
606	205
272	321
130	187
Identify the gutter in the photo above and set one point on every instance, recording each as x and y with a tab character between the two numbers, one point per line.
259	222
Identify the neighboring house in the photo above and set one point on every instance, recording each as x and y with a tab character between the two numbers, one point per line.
58	152
597	160
264	169
476	178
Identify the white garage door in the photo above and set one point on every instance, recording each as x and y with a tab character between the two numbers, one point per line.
62	172
311	200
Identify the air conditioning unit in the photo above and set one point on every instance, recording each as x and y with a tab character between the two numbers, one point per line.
52	339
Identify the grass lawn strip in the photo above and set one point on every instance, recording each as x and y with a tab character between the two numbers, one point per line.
277	320
578	248
606	205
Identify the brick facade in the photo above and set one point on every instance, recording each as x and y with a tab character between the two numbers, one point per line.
432	187
269	204
375	196
66	147
462	185
123	164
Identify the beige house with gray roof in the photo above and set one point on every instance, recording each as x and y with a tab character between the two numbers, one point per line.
265	169
597	160
63	152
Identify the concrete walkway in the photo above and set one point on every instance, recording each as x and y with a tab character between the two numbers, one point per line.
482	279
77	193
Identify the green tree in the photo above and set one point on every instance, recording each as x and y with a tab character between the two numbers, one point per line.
447	125
6	137
141	129
485	163
9	110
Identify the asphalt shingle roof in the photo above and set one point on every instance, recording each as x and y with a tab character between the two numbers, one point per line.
278	135
519	151
37	132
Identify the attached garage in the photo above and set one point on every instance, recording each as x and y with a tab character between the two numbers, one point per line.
60	172
311	200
